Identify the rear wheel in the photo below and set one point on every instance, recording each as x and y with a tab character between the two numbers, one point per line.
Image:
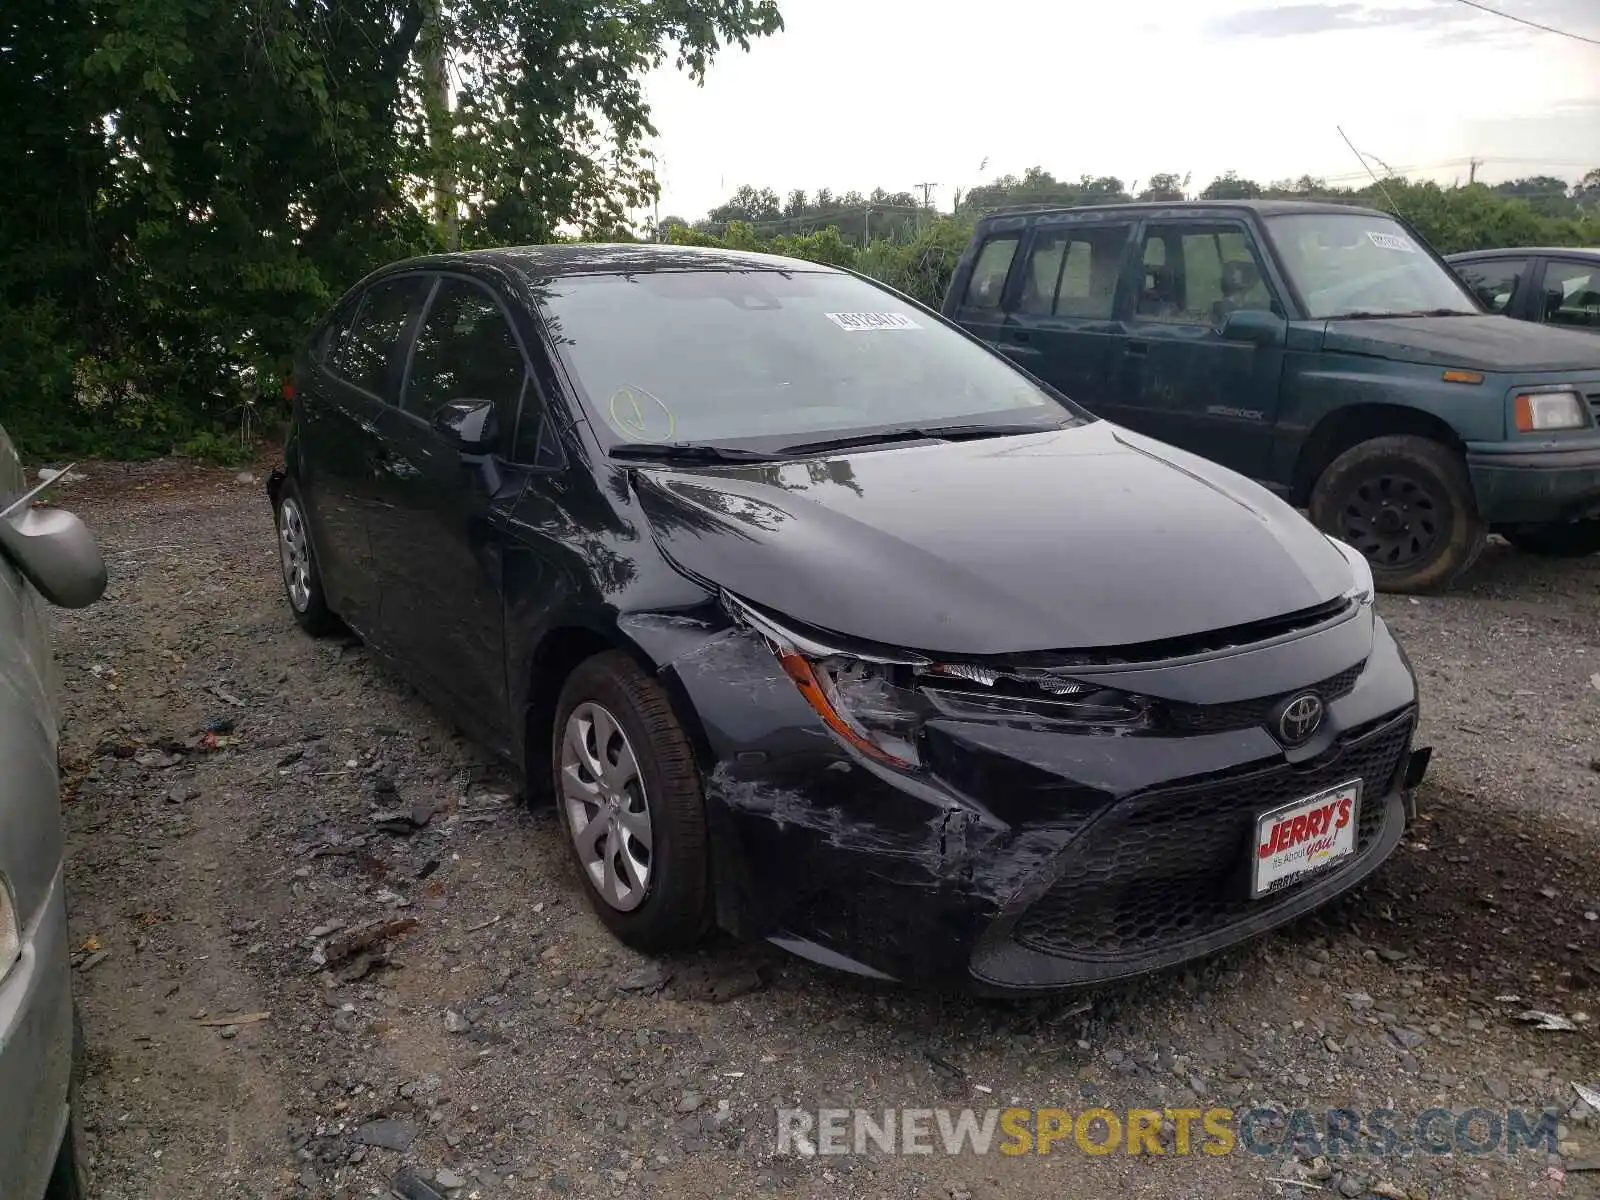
1406	503
629	795
1571	539
302	582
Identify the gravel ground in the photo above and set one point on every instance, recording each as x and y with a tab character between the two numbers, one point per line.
496	1041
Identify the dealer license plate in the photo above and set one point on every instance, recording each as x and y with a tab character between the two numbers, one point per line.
1307	835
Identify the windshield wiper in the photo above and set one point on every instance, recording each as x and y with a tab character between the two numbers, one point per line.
689	452
922	433
1410	312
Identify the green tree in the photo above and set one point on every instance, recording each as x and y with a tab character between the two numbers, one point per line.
192	181
1228	186
1163	186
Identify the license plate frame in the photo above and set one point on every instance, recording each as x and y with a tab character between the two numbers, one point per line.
1273	872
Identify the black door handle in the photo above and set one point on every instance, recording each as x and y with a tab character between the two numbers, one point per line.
1019	335
1136	349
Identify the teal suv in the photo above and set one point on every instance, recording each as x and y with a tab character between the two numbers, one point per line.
1324	350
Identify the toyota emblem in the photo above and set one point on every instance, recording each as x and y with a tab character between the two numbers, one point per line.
1299	718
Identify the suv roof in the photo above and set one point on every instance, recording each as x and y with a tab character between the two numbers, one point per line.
1264	208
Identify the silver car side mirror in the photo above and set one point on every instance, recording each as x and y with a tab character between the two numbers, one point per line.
57	554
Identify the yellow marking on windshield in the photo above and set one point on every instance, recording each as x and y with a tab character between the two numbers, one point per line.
634	414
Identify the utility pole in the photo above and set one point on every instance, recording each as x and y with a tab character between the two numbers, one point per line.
927	202
436	104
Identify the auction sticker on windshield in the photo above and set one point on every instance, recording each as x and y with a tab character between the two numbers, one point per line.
1391	241
857	322
1304	836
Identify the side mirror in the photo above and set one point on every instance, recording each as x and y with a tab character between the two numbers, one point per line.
1256	326
470	424
57	554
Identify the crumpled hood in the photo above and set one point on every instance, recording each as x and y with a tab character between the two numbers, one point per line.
1082	538
1483	343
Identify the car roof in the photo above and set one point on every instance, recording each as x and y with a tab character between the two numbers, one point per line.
614	258
1524	251
1265	208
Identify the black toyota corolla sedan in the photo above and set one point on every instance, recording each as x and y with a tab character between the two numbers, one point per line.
820	621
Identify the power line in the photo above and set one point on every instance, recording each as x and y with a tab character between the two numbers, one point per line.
1577	37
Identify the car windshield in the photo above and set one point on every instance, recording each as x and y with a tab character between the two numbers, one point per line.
768	359
1362	264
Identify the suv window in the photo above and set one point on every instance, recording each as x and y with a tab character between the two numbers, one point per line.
1073	272
989	272
465	351
1572	294
1493	280
364	356
1198	274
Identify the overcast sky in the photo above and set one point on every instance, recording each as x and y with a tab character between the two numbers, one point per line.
890	93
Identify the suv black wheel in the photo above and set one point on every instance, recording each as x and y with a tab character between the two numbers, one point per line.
629	795
1406	503
302	582
1569	539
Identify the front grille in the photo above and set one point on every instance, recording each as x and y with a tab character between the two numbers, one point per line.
1247	714
1594	405
1168	866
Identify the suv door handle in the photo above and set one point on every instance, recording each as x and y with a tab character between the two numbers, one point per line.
1136	349
1019	335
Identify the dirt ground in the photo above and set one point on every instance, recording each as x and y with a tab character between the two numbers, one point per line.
500	1044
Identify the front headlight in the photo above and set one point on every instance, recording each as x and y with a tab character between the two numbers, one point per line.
877	703
10	930
1539	410
1361	586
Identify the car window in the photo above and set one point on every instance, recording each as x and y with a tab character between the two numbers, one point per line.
465	350
1363	265
989	272
1493	280
777	357
1042	274
326	344
1073	272
365	356
1572	294
1197	274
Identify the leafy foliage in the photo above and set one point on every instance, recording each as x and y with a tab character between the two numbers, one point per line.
191	182
922	259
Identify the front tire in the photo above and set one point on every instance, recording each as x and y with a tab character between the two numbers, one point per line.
69	1179
1570	539
631	805
1406	503
302	580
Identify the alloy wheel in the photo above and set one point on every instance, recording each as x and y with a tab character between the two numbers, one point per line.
608	815
294	551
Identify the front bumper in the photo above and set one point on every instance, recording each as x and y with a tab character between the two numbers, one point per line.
1517	486
1036	860
35	1052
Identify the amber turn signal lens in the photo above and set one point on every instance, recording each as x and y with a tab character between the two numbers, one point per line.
797	668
